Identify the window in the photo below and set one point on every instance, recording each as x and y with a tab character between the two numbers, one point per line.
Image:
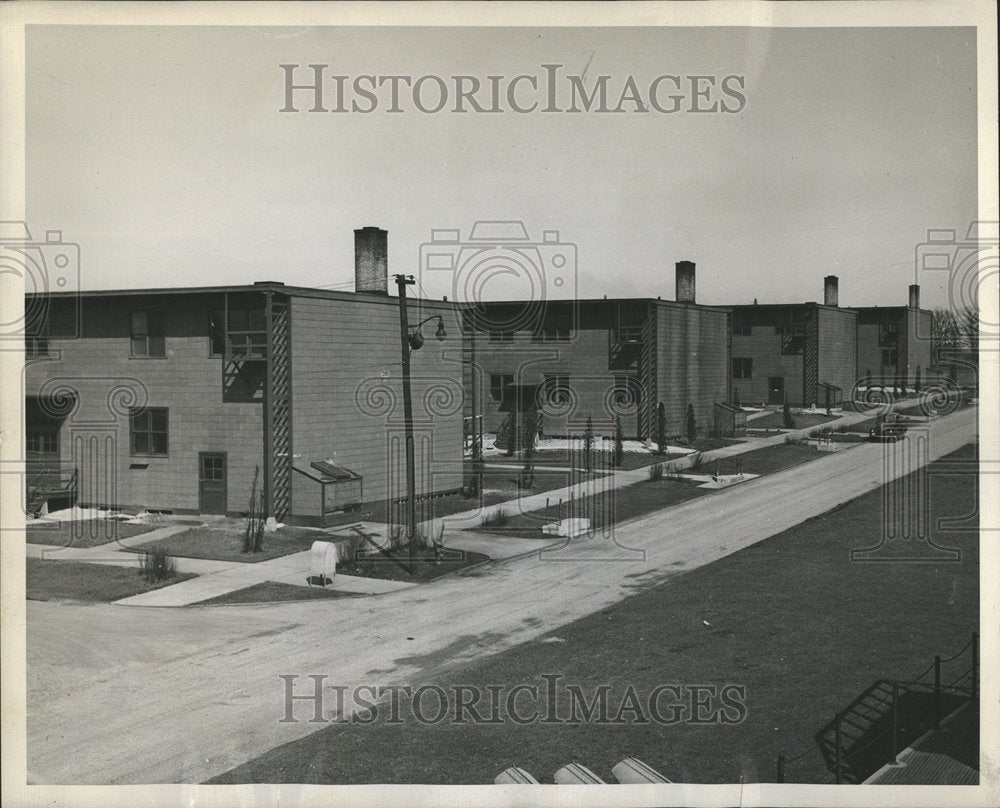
551	333
742	368
42	441
741	327
36	339
501	336
216	333
557	389
889	356
247	333
213	467
36	347
148	431
498	381
147	334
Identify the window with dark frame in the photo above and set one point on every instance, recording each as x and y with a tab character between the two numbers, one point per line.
213	467
147	335
42	441
148	431
742	367
247	333
36	347
498	381
890	356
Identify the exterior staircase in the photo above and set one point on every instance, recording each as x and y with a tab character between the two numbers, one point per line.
51	485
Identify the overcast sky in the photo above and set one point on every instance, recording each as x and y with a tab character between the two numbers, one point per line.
163	153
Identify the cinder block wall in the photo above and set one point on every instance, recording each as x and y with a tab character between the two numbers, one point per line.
763	345
693	363
347	400
187	381
838	363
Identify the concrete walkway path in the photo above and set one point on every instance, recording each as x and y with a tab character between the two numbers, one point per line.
617	479
219	698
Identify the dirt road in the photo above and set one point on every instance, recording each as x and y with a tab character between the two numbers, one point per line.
147	695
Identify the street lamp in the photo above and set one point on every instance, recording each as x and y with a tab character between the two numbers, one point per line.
411	340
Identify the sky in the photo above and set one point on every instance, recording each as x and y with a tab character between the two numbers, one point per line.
162	152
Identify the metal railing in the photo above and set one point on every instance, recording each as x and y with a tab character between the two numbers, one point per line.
965	686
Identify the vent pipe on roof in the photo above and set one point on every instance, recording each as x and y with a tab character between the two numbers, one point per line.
371	261
914	296
685	282
830	290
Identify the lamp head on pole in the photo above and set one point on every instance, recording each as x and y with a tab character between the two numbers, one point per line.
416	338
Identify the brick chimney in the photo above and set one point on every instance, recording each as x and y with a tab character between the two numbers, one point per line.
685	282
371	261
914	296
830	290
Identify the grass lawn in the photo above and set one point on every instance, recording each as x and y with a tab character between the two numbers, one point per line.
396	567
776	420
88	533
76	580
647	496
226	543
561	457
792	620
272	591
500	485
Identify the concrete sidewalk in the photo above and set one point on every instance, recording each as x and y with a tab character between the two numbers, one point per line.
619	479
218	691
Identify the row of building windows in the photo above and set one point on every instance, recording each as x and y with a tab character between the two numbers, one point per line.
148	434
558	390
147	335
546	334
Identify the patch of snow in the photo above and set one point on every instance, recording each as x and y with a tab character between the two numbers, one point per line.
77	513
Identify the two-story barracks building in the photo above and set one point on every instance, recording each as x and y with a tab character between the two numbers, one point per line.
606	360
176	399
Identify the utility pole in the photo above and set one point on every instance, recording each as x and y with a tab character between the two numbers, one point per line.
402	281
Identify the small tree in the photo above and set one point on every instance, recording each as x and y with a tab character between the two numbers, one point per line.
917	381
588	445
786	416
661	428
528	475
692	424
253	532
619	442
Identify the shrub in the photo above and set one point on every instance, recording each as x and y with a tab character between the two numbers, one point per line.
501	517
588	445
350	549
253	531
795	440
696	460
786	416
156	565
692	424
619	442
655	472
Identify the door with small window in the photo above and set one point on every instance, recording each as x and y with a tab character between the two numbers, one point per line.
212	482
